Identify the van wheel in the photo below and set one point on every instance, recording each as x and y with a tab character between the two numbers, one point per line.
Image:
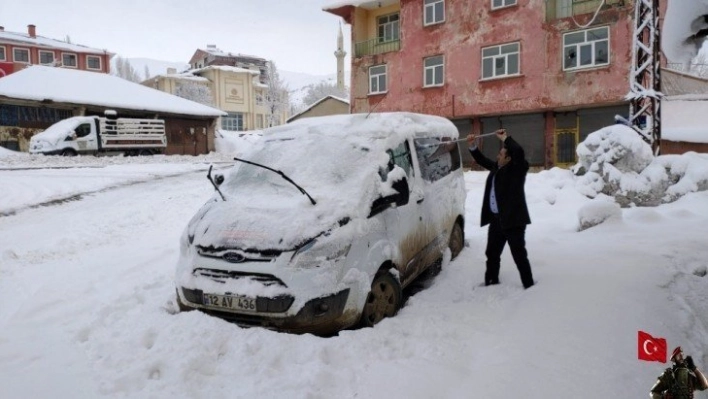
383	300
67	152
145	152
457	240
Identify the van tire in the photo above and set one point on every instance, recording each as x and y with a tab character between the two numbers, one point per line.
383	300
67	152
457	240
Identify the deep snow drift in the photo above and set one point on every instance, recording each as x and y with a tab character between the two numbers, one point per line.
88	302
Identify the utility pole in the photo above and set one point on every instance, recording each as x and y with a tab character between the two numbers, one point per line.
645	76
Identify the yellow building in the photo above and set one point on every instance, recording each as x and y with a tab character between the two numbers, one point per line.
235	84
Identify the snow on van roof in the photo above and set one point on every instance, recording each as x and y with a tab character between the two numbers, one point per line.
393	125
62	85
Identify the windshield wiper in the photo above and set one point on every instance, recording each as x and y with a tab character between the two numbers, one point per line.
302	190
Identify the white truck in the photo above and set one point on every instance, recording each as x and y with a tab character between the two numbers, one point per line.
101	135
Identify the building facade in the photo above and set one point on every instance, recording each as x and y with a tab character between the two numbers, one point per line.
234	83
549	71
19	50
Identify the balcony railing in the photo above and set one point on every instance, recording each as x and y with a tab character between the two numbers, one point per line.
375	46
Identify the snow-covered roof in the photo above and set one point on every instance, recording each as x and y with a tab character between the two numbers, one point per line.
63	85
320	101
41	41
220	53
226	68
368	4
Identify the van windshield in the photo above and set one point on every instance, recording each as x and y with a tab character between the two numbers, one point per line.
326	167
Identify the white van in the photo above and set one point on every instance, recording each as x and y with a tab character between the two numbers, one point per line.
325	222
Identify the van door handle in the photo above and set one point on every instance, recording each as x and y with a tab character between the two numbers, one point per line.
420	200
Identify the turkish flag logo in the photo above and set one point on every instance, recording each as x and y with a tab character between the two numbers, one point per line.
651	349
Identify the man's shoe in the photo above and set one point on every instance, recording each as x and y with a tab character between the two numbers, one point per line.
491	282
527	286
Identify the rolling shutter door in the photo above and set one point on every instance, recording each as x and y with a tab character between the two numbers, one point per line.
527	130
594	119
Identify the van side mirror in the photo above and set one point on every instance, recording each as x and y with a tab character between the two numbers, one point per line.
400	198
402	191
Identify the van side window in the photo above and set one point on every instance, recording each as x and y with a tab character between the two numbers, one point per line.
83	130
437	158
401	156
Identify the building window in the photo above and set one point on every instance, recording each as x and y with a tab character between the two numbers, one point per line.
21	55
377	79
234	121
434	12
46	57
259	121
68	59
388	28
433	71
3	57
502	3
586	49
500	61
93	62
259	99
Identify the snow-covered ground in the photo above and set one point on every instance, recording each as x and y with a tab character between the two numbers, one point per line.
87	292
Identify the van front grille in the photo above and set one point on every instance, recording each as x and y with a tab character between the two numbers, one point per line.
222	275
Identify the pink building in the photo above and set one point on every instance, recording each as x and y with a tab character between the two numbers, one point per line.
549	71
19	50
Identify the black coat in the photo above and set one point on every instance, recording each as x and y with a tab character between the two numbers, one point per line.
510	180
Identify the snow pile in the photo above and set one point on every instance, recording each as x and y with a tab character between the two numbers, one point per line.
597	211
234	143
616	162
610	160
5	153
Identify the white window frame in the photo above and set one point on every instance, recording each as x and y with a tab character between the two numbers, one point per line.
395	28
100	63
4	53
590	43
429	7
29	55
76	65
378	79
504	4
54	58
435	69
501	55
233	120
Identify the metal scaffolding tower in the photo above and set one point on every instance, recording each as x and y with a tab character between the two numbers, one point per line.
645	76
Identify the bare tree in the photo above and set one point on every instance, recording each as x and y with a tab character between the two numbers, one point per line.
276	99
195	92
125	70
323	89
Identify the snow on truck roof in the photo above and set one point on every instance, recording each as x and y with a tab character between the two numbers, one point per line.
62	85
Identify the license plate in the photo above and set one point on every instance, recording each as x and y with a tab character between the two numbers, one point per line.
230	302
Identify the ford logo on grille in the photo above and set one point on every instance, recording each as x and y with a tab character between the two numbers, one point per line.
233	257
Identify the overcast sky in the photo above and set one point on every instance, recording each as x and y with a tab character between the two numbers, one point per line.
296	34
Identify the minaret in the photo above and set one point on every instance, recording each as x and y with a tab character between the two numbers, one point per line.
340	54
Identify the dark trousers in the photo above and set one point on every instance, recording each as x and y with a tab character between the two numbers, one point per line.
496	239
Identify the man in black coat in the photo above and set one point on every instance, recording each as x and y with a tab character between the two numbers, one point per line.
504	207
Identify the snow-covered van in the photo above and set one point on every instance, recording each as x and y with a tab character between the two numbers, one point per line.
94	135
325	221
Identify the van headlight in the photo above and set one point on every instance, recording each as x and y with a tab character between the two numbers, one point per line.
315	253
